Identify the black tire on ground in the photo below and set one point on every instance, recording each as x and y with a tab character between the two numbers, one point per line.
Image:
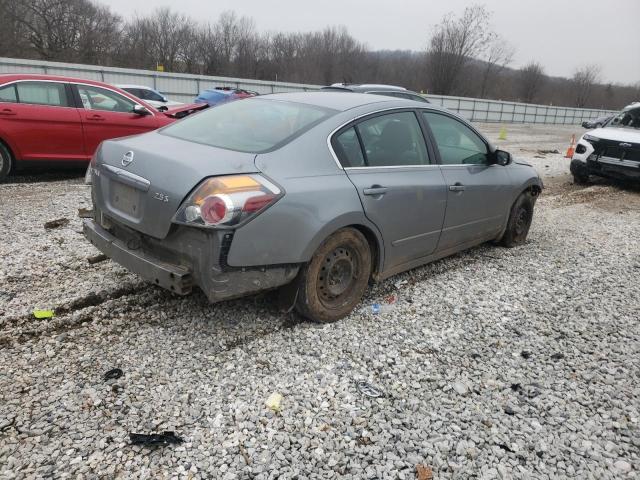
519	221
334	281
5	162
580	179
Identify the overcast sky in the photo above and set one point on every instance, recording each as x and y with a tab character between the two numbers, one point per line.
560	34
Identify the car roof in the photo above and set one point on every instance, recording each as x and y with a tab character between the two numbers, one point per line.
366	87
145	87
11	77
341	101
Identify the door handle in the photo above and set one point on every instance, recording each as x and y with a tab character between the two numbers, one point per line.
96	117
375	190
457	187
7	111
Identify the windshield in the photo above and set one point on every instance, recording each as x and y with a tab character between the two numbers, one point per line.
250	125
627	119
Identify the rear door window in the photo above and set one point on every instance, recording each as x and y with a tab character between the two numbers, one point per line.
150	95
42	93
393	140
347	149
134	91
8	93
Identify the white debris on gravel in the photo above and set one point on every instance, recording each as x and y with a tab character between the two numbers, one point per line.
494	363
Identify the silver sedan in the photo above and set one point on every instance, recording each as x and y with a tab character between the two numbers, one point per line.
318	193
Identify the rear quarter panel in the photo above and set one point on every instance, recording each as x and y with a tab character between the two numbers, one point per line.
319	199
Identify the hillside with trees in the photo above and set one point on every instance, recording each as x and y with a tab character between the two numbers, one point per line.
463	55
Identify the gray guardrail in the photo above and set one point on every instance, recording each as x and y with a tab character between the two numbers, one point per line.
184	87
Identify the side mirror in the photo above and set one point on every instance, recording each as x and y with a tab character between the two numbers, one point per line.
500	157
140	110
165	99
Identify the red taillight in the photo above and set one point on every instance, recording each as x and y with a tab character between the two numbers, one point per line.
227	200
213	209
254	204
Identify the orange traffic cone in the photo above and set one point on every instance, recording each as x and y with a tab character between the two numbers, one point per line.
572	148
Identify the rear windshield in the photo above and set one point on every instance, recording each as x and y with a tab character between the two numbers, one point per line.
251	125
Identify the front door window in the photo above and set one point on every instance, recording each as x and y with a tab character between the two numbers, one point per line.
96	98
457	143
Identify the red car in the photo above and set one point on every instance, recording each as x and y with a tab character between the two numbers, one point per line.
46	118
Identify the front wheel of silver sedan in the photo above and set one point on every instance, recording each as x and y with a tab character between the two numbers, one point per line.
334	281
519	222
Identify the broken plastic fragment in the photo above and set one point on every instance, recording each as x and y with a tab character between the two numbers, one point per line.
274	402
97	259
388	304
57	223
369	390
112	374
155	439
43	313
85	213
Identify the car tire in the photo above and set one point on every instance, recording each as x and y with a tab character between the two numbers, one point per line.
580	179
519	222
6	161
336	277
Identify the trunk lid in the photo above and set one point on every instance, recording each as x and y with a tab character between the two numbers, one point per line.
181	111
141	181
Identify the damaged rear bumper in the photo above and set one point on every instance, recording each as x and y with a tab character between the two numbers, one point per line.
187	257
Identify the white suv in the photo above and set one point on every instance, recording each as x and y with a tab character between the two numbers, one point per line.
612	151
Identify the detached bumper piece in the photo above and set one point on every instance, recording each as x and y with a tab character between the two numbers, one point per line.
172	277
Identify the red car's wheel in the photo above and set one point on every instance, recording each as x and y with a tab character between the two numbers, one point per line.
5	162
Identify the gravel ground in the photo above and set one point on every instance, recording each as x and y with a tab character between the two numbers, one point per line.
495	363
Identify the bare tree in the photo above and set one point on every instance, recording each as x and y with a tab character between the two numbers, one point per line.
64	29
464	56
583	81
98	36
13	36
137	44
453	44
530	80
284	56
496	57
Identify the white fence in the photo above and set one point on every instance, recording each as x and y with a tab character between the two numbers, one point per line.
184	87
